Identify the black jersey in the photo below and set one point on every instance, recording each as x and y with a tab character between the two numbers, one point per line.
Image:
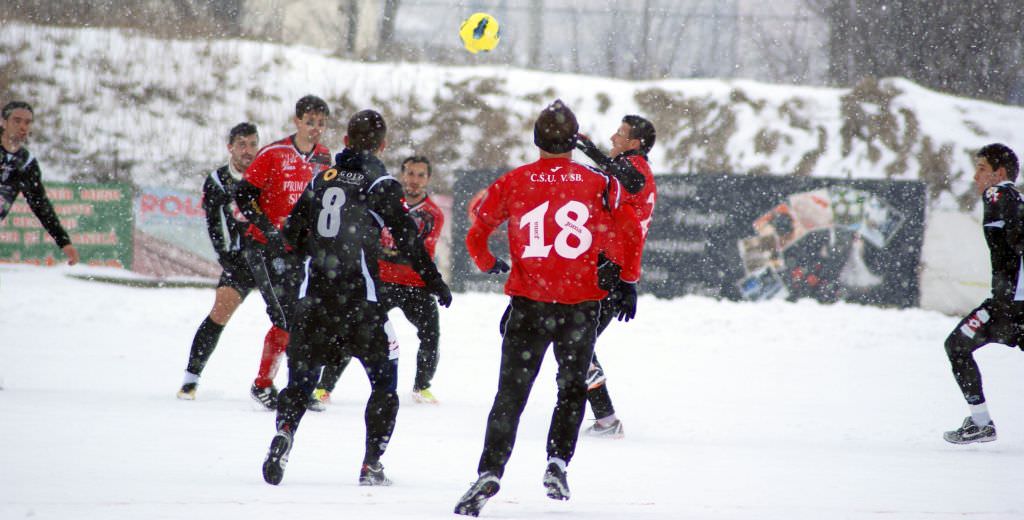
1004	233
224	221
337	223
19	173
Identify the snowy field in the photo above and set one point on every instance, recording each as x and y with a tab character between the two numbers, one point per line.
732	411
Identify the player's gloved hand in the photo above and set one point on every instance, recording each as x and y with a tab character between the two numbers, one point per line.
585	145
608	275
627	300
438	288
499	267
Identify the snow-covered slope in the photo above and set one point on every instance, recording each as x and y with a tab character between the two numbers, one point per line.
163	107
731	411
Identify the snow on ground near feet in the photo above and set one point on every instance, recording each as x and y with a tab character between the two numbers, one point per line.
731	411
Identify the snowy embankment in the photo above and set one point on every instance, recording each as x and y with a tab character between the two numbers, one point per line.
794	411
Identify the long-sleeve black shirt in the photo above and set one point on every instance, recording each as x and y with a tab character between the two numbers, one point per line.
223	220
337	223
1004	234
19	173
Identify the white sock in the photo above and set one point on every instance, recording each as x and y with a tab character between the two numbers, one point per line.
979	413
190	378
557	462
607	421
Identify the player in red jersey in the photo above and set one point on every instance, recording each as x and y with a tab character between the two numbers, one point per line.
631	143
402	287
560	217
272	184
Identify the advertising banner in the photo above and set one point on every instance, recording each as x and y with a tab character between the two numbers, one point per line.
175	217
760	237
97	217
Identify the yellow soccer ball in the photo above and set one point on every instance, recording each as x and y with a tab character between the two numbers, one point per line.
480	32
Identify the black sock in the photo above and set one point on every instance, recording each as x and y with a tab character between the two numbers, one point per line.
203	344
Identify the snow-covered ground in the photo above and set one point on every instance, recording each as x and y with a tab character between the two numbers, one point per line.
732	411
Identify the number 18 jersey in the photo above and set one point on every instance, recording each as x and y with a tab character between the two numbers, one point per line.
559	219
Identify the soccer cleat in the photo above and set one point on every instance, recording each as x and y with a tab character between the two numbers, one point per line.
314	405
555	483
595	377
265	396
612	431
187	392
971	432
322	395
473	500
424	396
373	475
277	458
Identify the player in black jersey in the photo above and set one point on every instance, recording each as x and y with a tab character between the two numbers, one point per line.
226	225
999	319
336	225
19	173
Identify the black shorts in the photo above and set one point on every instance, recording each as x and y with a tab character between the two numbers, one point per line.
325	334
985	324
237	276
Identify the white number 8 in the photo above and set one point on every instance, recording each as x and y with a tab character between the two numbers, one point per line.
329	222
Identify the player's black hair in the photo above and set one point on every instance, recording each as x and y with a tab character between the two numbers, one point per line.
998	156
366	131
419	159
311	103
15	105
241	130
641	129
555	129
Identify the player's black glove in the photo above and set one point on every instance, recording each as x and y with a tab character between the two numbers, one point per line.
607	273
627	300
585	145
276	250
438	288
499	267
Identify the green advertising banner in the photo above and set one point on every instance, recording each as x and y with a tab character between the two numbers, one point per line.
97	217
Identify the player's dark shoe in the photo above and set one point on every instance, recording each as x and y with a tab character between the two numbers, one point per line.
373	475
971	432
187	392
265	396
555	483
612	431
277	458
315	405
473	500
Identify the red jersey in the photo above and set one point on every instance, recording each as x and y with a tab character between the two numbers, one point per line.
558	222
642	204
282	172
429	220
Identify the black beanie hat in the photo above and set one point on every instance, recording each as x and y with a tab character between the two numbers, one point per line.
555	129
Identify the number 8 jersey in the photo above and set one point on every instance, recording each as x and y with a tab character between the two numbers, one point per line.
560	217
337	223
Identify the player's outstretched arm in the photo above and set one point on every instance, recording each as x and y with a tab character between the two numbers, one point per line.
621	168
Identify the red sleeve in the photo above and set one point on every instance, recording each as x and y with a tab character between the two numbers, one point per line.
430	241
490	213
260	170
624	242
